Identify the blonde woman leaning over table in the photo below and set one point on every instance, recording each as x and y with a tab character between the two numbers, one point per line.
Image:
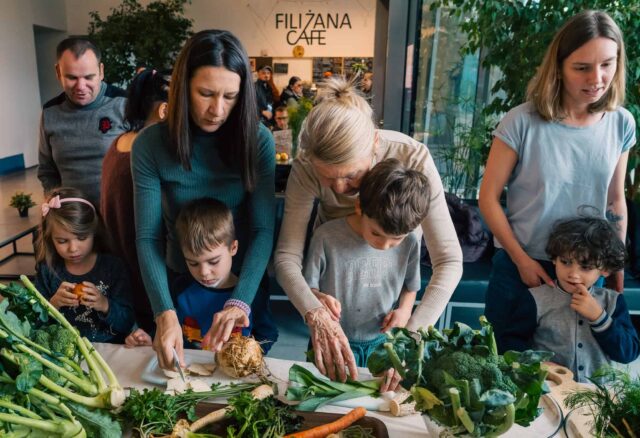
339	144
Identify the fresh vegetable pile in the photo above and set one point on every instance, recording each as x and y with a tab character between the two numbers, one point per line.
460	381
614	403
44	390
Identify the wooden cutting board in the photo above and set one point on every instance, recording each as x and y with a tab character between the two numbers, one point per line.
311	419
561	384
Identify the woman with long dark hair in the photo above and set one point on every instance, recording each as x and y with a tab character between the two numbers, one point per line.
211	146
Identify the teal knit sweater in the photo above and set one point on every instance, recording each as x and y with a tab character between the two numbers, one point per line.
162	187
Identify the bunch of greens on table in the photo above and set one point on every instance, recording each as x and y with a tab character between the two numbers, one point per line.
313	392
614	403
153	412
44	390
460	381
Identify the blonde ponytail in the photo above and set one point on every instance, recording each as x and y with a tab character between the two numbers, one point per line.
340	128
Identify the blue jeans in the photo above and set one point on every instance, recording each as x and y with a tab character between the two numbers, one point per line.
505	293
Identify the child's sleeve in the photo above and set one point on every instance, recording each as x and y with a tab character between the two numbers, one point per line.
412	275
616	335
43	281
120	316
315	262
521	323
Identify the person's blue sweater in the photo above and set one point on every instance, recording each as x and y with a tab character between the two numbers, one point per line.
162	187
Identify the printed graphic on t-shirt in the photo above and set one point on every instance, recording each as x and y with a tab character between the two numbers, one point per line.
105	125
365	272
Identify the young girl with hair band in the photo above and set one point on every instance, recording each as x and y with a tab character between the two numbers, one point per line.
561	154
146	105
90	287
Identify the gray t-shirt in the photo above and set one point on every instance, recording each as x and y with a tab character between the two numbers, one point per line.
366	281
562	171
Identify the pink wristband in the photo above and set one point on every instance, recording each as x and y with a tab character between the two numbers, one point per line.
237	303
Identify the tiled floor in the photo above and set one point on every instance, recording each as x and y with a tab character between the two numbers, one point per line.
294	335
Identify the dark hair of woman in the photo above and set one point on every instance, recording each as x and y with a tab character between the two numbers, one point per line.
293	80
148	87
239	133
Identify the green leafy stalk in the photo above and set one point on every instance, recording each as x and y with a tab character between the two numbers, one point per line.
313	392
81	383
63	428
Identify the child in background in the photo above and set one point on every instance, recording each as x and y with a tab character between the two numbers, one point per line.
584	325
90	287
207	237
360	266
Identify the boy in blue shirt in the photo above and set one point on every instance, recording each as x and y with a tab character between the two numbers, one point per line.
206	235
584	325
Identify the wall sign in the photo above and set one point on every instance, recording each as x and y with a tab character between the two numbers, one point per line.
311	27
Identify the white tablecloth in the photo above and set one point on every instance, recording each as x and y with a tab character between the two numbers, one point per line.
130	364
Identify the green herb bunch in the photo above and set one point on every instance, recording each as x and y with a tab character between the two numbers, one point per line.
152	412
266	418
614	403
459	380
44	390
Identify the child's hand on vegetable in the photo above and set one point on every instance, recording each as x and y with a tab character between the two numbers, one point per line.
93	298
64	296
396	318
584	303
223	324
138	338
390	380
330	303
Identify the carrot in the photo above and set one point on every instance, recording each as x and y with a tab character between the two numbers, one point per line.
333	427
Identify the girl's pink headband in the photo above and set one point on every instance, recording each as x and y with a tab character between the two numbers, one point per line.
56	202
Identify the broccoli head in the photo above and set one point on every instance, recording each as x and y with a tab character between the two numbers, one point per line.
41	337
464	366
64	343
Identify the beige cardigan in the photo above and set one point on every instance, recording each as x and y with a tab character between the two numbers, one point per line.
440	236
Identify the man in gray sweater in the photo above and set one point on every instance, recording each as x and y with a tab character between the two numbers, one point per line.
78	126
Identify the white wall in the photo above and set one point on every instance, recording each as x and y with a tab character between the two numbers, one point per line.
254	23
20	111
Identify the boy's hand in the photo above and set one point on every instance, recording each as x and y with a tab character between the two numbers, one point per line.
396	318
330	303
583	303
93	298
64	296
138	338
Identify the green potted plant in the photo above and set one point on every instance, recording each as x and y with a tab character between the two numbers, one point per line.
23	202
